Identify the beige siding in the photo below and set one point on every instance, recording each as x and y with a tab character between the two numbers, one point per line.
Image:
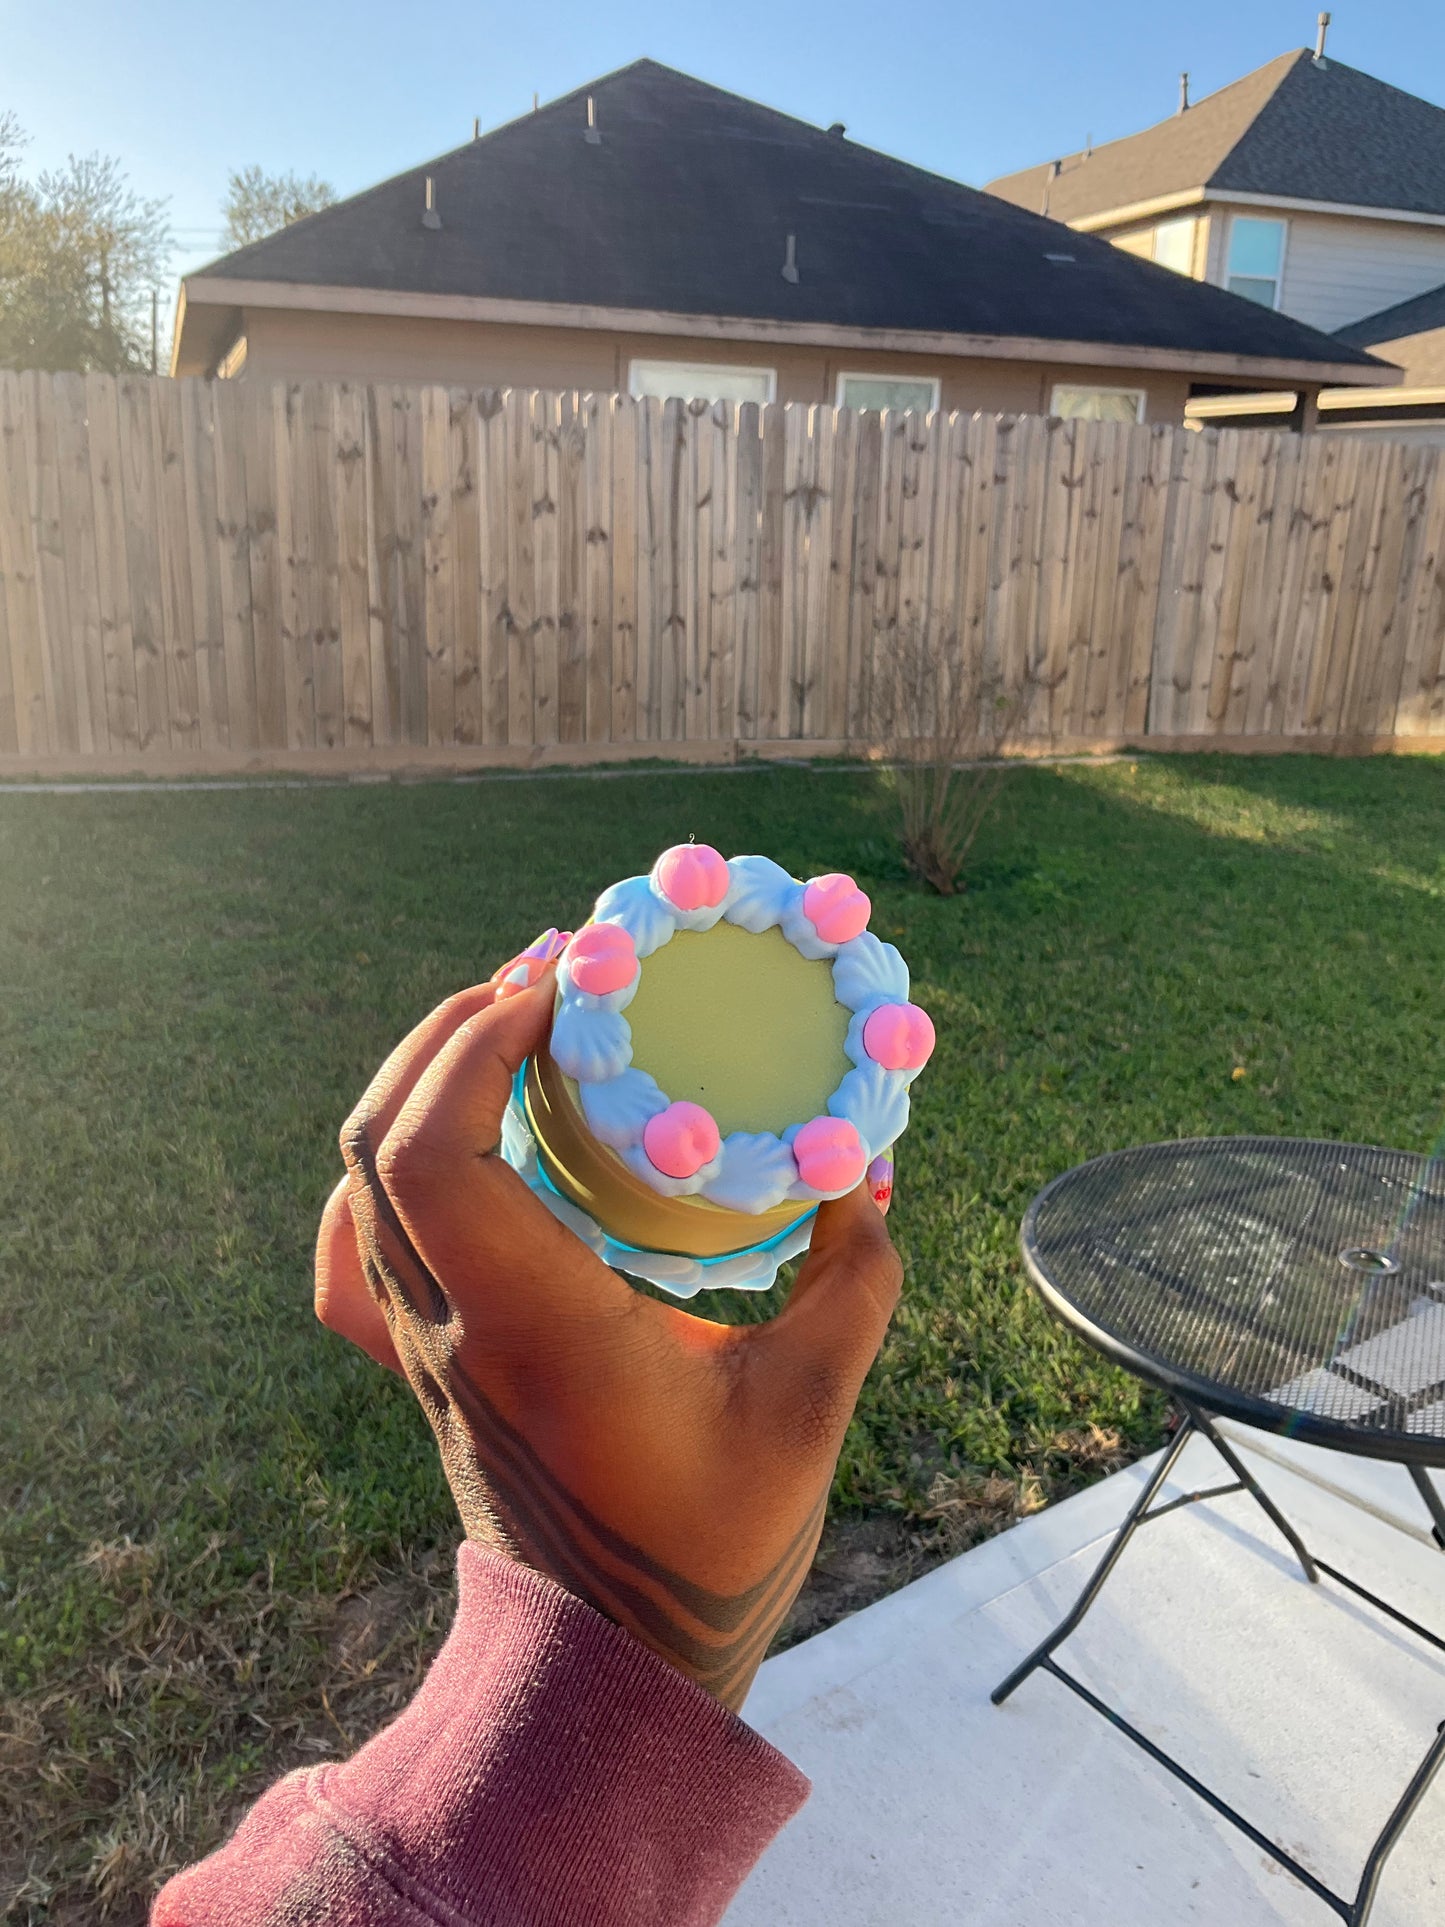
1136	240
293	345
1338	269
1421	356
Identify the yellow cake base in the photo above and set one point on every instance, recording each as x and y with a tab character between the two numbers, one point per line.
739	1022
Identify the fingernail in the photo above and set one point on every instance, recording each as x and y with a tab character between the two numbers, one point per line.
523	970
880	1181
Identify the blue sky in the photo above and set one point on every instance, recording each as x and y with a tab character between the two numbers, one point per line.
182	93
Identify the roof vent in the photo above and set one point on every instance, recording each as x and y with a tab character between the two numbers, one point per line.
536	102
837	130
1322	27
592	137
1055	169
429	215
1184	93
1061	257
476	127
790	259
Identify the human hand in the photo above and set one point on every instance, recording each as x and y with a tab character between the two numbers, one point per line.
671	1472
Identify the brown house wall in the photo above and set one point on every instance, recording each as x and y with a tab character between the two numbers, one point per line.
289	344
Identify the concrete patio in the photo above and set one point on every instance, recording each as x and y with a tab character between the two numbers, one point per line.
1302	1706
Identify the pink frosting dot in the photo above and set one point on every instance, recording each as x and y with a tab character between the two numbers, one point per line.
694	876
601	958
829	1154
681	1140
837	909
899	1037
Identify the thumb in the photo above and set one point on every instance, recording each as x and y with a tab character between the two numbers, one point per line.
835	1321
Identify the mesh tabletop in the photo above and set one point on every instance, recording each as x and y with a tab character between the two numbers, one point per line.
1295	1285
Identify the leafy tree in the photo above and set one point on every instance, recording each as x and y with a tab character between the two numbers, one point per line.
258	204
80	254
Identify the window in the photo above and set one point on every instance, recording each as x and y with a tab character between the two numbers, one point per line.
701	381
1256	255
1174	245
903	392
1077	404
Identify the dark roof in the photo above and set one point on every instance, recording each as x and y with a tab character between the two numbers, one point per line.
686	203
1417	316
1299	128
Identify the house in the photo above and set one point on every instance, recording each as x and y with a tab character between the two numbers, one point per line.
1309	188
652	233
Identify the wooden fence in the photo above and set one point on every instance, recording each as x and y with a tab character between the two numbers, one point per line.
213	575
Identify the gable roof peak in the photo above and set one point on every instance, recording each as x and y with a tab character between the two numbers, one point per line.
1298	128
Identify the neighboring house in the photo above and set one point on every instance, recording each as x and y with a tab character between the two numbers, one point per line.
1308	187
652	233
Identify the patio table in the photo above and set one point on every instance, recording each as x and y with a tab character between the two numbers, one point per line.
1294	1286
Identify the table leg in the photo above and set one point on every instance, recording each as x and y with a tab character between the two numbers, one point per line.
1394	1827
1434	1505
1202	1422
1106	1565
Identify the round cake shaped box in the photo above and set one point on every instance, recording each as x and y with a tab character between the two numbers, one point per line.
730	1046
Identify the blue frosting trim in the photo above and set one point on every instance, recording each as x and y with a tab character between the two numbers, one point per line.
636	906
753	1171
590	1045
617	1109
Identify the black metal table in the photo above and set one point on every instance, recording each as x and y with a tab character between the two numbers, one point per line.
1295	1286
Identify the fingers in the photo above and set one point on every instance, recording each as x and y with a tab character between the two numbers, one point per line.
395	1081
397	1078
464	1223
344	1302
828	1334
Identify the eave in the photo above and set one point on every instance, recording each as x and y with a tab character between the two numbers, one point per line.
210	304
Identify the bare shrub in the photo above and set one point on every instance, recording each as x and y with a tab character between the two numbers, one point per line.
940	719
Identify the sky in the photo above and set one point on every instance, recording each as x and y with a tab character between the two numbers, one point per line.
356	92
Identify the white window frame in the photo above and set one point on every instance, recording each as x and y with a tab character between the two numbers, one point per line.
878	374
1141	396
1257	214
770	375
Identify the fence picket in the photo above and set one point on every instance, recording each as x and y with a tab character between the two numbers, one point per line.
349	429
597	536
625	430
82	586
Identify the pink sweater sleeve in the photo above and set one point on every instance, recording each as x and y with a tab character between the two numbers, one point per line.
551	1770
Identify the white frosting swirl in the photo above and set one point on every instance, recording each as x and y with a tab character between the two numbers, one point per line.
591	1046
618	1109
635	905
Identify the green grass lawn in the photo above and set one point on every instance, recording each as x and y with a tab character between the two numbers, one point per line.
224	1540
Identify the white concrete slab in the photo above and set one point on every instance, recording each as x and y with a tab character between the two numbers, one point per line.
1386	1490
1299	1704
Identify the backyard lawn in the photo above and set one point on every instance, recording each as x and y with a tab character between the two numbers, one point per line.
225	1544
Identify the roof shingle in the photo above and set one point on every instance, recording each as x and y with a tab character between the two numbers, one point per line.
685	206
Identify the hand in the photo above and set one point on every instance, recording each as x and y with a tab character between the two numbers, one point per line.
671	1472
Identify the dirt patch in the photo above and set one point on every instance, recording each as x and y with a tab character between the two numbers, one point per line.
859	1561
